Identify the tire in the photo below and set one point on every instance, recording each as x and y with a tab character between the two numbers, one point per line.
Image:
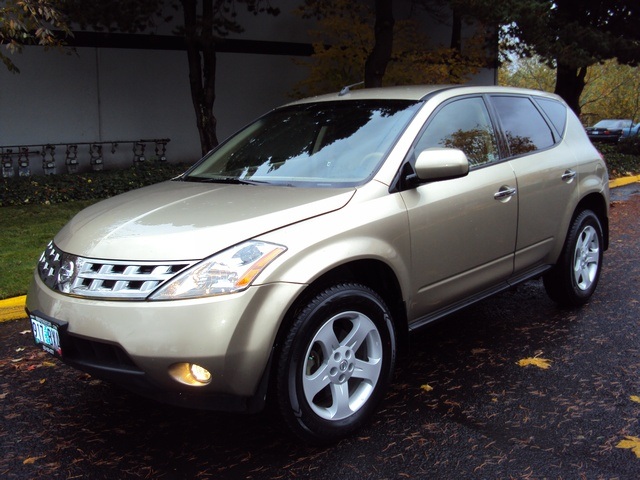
572	281
335	363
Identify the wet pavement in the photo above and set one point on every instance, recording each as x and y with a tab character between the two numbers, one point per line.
461	405
625	192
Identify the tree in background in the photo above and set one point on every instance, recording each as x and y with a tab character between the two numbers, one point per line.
203	30
569	35
361	40
378	58
29	22
527	72
205	24
611	90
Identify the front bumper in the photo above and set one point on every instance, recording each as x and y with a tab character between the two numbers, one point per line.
135	344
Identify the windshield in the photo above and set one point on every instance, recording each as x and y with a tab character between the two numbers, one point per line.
330	144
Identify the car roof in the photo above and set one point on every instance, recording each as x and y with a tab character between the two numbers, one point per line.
416	92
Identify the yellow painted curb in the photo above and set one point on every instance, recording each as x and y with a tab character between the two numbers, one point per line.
620	182
12	308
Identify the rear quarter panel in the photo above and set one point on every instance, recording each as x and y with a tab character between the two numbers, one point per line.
592	177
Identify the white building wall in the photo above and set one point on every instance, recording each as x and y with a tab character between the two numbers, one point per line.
115	94
119	94
53	99
98	95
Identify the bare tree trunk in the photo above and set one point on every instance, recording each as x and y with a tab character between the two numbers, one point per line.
456	30
201	54
570	82
376	64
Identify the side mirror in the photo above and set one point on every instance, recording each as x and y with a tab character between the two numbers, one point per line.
434	164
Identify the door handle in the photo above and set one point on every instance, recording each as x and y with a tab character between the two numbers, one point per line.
568	176
504	193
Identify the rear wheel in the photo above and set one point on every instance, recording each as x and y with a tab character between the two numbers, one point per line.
336	363
575	277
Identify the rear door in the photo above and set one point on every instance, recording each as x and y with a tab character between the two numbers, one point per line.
545	169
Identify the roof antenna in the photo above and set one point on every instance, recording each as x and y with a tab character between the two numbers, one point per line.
347	89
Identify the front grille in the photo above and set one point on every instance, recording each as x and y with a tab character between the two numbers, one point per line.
94	278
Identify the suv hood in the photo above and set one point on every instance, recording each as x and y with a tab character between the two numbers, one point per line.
190	221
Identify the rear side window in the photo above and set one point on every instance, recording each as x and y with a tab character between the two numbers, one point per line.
525	129
556	112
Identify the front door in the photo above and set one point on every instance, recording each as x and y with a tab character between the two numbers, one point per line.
463	231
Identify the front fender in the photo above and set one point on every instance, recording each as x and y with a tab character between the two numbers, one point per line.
374	229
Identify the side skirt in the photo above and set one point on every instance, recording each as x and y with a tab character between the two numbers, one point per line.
444	312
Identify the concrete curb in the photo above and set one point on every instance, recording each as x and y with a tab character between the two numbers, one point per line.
13	308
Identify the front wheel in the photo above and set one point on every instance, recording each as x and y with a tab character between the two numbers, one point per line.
575	277
335	363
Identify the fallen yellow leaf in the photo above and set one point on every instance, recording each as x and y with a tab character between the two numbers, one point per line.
536	362
32	460
48	364
426	387
632	443
635	398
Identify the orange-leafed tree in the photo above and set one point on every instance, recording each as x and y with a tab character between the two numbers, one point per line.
30	22
361	41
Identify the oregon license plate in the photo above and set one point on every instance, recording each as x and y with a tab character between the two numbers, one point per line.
46	334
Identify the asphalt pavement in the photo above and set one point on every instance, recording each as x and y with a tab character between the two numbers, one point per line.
472	400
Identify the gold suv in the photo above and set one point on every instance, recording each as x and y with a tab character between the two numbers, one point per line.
289	262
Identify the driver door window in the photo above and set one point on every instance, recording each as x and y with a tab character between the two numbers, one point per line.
463	124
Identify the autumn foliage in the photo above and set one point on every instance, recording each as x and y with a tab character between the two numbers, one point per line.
345	36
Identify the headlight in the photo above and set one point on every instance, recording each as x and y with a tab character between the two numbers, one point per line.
229	271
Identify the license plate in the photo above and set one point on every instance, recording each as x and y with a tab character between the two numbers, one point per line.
47	335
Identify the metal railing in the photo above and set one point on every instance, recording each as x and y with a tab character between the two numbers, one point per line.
16	159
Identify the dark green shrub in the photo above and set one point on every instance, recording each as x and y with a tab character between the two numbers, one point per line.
620	157
620	164
630	145
49	189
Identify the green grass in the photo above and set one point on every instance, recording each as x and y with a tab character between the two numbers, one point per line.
34	209
26	230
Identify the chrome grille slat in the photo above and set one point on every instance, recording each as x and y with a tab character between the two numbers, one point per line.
105	279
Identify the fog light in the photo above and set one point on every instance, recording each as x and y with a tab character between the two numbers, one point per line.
190	374
199	373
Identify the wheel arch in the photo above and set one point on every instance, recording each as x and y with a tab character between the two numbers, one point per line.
371	273
598	205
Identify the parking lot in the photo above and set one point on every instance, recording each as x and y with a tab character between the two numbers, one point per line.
471	401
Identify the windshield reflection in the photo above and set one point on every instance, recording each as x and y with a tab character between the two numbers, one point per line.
324	144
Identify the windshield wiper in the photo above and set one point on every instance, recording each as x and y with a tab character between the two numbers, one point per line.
227	180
